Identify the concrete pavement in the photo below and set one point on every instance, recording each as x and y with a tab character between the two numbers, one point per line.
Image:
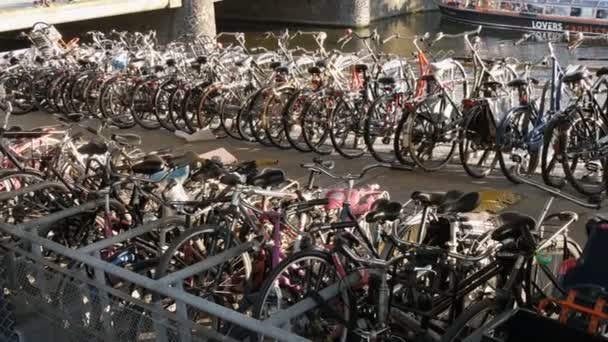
400	184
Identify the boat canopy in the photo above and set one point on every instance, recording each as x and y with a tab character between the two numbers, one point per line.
592	9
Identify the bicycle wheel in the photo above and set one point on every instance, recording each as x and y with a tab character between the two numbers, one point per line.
312	271
381	124
92	95
161	100
551	165
209	107
473	318
346	128
19	89
222	284
142	104
77	94
512	140
242	120
432	133
66	95
114	102
176	101
257	115
315	124
477	147
275	107
40	89
292	117
230	107
581	162
551	256
191	104
401	141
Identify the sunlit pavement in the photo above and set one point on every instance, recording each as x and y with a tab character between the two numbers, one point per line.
400	184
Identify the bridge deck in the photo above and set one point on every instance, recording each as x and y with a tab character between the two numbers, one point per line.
19	15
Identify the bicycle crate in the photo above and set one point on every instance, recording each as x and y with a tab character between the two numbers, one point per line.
527	326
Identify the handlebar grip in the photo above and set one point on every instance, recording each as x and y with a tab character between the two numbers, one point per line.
92	130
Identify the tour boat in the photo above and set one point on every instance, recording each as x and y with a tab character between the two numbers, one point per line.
541	15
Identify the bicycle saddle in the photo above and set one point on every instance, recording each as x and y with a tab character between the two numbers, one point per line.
435	198
127	139
328	164
149	166
282	70
575	75
361	67
510	225
518	82
274	65
492	85
93	148
84	62
269	177
386	80
384	210
463	204
171	62
602	71
232	179
314	70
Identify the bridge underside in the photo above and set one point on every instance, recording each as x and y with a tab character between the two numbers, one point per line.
24	17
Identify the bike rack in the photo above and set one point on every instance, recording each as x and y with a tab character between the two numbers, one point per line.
79	304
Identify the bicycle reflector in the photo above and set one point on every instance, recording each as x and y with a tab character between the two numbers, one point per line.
468	103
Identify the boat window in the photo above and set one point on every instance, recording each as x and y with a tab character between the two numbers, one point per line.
603	4
534	8
587	12
557	10
602	13
575	12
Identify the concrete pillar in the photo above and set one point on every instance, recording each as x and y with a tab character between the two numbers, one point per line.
360	13
196	17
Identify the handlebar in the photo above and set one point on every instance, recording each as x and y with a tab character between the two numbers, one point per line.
349	176
581	37
465	34
398	36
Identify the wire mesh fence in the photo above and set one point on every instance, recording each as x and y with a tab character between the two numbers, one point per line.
68	305
7	319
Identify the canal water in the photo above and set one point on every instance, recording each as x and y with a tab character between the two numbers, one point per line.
495	43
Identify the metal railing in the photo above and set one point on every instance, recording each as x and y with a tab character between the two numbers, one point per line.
68	294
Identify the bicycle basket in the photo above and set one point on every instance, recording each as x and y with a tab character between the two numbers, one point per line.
45	38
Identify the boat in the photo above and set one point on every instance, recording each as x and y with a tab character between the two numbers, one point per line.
539	15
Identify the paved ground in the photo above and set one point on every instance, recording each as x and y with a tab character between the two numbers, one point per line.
400	183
